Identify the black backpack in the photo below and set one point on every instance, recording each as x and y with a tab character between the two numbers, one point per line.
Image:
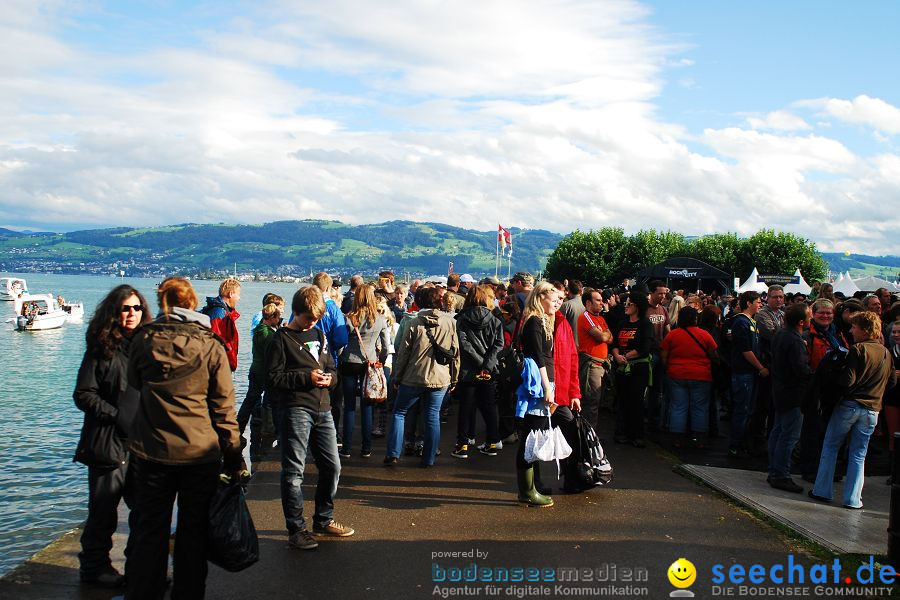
588	462
510	362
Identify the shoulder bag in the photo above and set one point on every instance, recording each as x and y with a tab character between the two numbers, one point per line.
374	387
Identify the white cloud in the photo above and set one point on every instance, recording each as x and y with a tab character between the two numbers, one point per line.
535	114
778	120
862	110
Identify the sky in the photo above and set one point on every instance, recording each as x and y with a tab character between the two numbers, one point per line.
696	117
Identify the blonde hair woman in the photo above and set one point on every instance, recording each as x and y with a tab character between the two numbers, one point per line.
185	427
536	338
368	341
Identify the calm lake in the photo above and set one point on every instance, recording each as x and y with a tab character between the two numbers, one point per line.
42	492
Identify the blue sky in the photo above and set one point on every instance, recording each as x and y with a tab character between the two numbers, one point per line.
698	117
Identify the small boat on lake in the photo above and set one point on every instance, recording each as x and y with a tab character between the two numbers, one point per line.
12	287
36	312
74	311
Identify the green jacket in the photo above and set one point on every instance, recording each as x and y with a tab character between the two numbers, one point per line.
262	337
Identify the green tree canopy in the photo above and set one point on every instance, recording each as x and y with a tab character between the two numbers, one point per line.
606	256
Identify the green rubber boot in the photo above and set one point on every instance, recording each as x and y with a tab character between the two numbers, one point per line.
527	493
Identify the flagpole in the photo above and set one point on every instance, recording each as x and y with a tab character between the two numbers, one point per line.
497	253
509	258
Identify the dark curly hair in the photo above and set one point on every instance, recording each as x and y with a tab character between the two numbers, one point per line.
104	332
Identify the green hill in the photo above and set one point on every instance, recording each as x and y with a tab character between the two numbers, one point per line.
281	247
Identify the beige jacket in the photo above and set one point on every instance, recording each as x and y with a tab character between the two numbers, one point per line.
186	413
417	362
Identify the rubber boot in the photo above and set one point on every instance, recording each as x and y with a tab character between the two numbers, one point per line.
538	484
527	493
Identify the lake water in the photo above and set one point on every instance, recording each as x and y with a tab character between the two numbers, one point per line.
42	492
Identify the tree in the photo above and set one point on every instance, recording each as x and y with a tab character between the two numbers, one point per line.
720	250
647	248
781	253
594	257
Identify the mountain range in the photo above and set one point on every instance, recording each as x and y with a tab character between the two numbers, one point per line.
298	247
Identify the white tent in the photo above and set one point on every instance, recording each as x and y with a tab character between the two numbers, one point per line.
841	278
753	283
845	285
870	283
798	288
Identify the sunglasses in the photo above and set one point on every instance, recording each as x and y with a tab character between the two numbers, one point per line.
129	307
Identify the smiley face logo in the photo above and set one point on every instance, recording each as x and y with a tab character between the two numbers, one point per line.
682	573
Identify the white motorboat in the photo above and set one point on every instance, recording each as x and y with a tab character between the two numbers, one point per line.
36	312
12	287
74	311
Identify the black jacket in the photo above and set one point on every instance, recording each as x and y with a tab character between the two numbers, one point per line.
100	391
290	368
480	341
791	372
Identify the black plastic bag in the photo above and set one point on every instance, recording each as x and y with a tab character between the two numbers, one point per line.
232	542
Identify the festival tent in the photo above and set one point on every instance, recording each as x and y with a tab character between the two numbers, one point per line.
800	287
870	283
683	272
753	283
845	285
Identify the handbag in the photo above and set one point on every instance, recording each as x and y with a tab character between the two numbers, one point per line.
232	542
547	445
510	362
100	445
374	387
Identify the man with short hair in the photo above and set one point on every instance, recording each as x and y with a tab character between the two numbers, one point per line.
745	368
222	316
769	321
347	302
593	353
659	318
872	303
791	373
300	373
521	285
411	296
884	295
454	300
334	326
573	307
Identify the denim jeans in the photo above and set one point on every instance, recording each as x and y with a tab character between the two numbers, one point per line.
849	417
302	431
352	384
688	396
743	392
408	396
156	487
782	440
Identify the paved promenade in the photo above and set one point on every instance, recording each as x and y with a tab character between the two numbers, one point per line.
409	519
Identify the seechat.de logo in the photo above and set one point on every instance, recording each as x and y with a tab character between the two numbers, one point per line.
682	574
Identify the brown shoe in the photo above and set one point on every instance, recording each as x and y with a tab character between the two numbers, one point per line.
334	528
303	540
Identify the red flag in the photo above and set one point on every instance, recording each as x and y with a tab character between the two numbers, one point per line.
504	237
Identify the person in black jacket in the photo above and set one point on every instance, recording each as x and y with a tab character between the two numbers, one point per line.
102	392
631	353
300	373
480	341
791	374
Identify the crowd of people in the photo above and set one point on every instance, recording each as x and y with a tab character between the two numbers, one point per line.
161	420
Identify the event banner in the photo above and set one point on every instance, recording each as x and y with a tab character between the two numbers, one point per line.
779	279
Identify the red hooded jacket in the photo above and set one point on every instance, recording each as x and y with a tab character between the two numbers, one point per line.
565	362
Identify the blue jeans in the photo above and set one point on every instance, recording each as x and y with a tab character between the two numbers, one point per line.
688	396
743	393
848	417
407	396
351	385
782	440
302	431
252	401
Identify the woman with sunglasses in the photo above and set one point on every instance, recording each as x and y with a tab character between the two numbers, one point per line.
101	392
631	353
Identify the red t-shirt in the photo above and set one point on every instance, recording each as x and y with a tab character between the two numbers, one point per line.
586	343
686	359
